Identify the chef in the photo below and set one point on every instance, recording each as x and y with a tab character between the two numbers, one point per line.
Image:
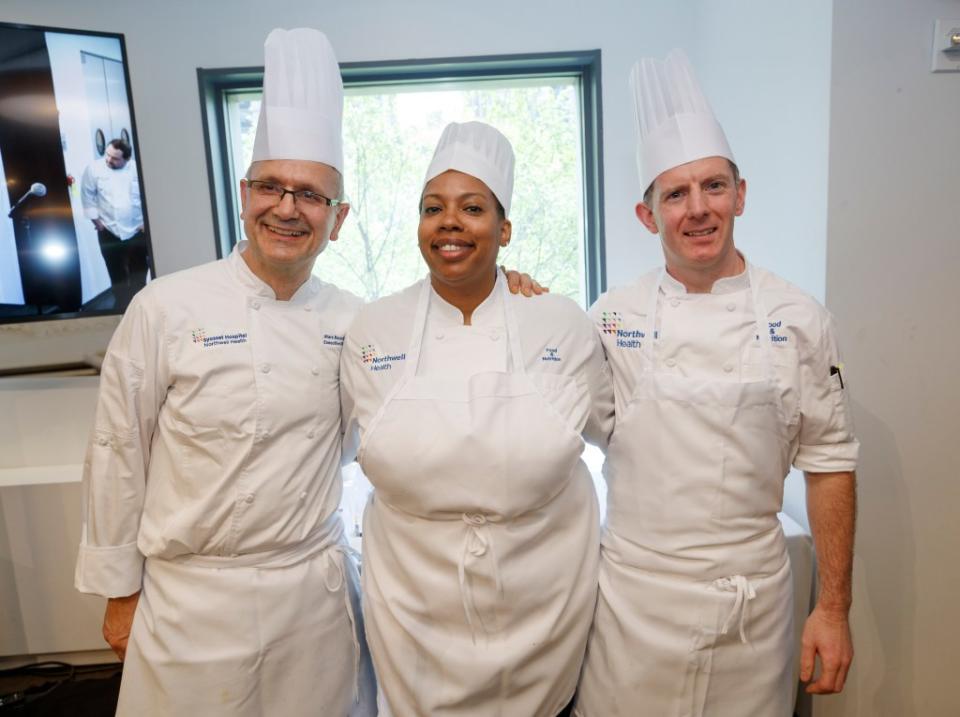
481	537
212	480
724	376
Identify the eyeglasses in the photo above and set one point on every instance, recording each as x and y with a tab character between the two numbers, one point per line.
301	197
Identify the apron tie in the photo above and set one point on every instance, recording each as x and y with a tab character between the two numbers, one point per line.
335	568
476	542
745	593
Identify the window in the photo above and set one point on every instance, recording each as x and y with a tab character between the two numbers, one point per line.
548	105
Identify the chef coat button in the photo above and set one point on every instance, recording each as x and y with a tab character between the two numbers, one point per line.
494	337
315	370
671	362
264	368
439	337
728	367
674	303
103	442
303	495
311	433
255	305
731	306
249	498
308	308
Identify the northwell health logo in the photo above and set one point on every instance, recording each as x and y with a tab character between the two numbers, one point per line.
611	323
369	356
200	337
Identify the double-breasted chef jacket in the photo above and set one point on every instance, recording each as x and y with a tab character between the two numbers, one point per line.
481	535
212	480
716	396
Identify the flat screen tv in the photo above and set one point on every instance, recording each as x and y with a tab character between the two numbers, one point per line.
74	238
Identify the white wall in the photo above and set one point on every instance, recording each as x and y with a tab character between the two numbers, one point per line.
893	258
166	42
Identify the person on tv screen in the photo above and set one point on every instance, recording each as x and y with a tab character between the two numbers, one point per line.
110	192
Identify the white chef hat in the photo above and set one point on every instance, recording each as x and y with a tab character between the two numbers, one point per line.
301	114
479	150
675	121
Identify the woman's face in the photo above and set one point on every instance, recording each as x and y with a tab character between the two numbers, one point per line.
461	231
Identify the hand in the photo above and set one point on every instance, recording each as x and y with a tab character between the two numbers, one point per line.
827	634
523	283
98	225
117	622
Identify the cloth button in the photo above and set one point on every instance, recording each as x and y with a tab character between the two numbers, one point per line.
728	367
674	303
311	433
671	362
255	305
264	368
315	370
494	337
440	337
731	306
303	495
308	308
249	498
103	442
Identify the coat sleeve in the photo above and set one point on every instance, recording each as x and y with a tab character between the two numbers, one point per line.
826	440
88	194
133	383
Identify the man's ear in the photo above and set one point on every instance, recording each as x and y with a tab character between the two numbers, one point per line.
243	197
342	211
645	215
741	197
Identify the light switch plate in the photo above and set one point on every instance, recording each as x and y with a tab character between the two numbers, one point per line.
943	30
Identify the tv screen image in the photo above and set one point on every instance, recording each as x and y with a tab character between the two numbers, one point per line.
74	238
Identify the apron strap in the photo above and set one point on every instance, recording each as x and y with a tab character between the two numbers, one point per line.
746	591
336	558
513	332
477	541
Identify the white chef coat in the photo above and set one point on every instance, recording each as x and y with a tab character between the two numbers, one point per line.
713	338
113	197
694	611
481	536
215	455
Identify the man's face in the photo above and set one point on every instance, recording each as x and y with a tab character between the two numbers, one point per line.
460	230
693	210
114	157
285	237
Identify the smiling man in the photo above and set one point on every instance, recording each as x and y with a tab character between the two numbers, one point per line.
724	376
212	481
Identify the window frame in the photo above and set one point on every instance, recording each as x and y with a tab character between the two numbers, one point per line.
214	84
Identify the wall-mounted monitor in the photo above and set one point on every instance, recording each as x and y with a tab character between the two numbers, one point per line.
74	237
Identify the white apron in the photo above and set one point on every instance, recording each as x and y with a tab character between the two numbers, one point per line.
242	636
480	539
695	612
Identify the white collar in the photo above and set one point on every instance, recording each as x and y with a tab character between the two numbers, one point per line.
257	286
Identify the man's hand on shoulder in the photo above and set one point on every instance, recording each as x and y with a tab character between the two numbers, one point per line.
826	634
523	283
117	622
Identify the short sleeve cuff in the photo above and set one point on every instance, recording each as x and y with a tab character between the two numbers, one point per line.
832	458
114	571
91	213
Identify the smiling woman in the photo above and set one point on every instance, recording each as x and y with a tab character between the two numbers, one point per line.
492	531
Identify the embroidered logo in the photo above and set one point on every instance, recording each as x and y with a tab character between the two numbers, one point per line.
610	322
550	354
378	362
200	337
332	340
775	335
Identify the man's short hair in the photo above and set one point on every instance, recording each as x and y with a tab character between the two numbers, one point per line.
648	195
123	146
